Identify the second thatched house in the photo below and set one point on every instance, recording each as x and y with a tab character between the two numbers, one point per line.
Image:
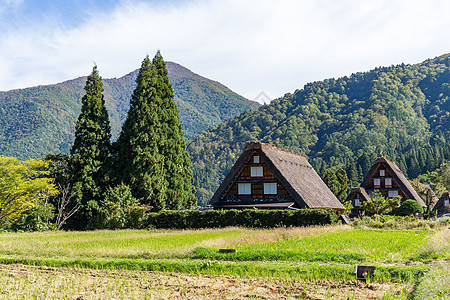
265	176
386	178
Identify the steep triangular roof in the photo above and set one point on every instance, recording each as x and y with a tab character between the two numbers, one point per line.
292	170
358	191
397	175
440	203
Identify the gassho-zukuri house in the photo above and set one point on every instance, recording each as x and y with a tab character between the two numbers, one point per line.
265	176
443	205
386	178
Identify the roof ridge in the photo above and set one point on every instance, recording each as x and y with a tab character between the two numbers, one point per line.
259	145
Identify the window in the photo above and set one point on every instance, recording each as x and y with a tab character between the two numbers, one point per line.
388	182
256	171
244	188
392	194
256	159
446	203
382	173
270	188
356	202
376	182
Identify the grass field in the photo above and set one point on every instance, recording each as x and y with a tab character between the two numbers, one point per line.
317	261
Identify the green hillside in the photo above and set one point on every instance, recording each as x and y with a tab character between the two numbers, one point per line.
38	120
402	112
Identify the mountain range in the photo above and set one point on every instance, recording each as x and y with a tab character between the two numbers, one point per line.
37	120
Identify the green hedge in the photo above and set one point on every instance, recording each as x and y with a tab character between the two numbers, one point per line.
190	219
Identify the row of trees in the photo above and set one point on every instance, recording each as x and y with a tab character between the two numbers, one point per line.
105	184
148	161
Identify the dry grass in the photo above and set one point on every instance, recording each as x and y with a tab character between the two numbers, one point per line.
441	240
26	282
435	284
257	236
144	243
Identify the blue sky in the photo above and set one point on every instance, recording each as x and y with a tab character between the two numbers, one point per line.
251	46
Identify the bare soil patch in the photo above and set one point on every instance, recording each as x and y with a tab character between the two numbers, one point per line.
19	281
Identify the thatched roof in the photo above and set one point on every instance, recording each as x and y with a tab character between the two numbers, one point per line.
427	188
360	191
440	204
445	196
292	170
398	176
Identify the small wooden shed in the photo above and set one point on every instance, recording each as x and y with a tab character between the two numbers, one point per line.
443	204
265	176
357	196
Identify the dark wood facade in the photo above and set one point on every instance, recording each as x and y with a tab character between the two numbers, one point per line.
443	205
383	181
356	197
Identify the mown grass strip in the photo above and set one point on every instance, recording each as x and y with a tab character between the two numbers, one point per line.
246	269
272	255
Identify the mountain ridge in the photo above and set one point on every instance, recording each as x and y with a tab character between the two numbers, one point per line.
41	119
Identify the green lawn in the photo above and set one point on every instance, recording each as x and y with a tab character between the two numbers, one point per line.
313	252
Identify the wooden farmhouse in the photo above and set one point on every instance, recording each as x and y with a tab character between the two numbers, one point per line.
443	205
386	178
356	197
265	176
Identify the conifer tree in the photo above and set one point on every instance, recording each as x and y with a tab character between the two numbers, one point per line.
140	162
90	151
177	165
151	150
337	182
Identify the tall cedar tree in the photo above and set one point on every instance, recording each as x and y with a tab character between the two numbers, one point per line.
152	153
177	165
90	152
141	165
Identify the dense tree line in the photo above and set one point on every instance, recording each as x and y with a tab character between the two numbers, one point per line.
401	112
104	185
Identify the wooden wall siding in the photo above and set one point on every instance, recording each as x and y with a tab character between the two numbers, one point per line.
257	192
440	207
246	175
257	183
382	188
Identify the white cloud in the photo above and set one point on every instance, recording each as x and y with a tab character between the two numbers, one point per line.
250	46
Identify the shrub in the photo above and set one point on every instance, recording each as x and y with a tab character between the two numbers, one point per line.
409	207
121	210
35	219
378	204
398	222
190	219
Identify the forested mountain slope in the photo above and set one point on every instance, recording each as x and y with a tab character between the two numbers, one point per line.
402	112
38	120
